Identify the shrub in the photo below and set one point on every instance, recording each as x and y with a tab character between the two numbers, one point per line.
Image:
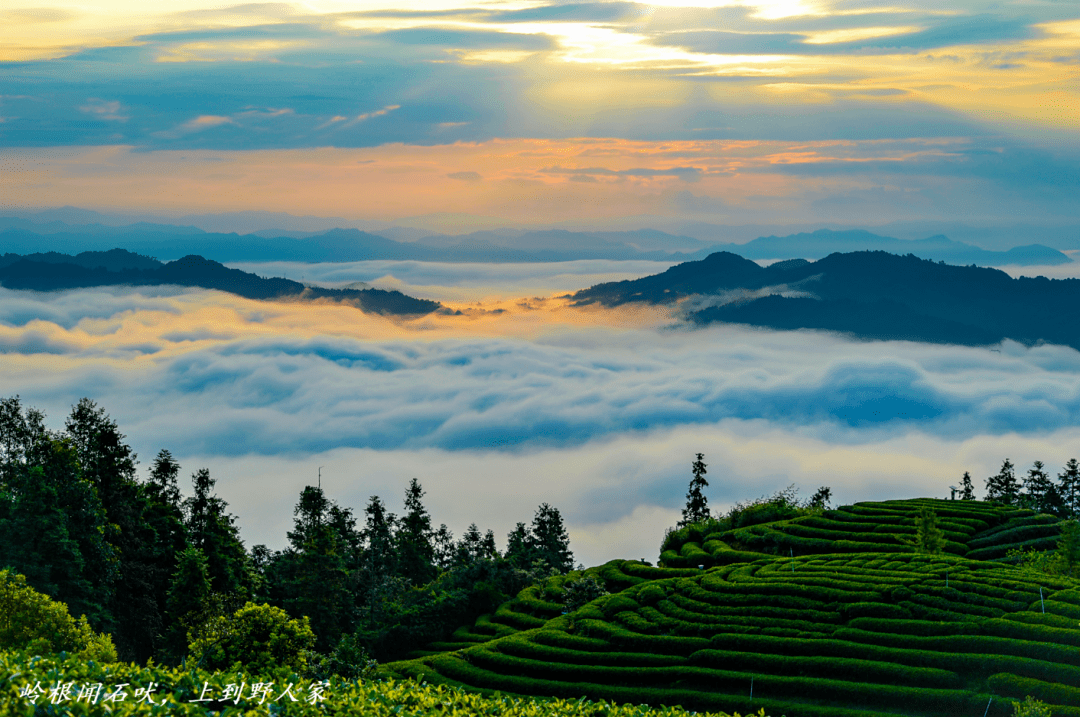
34	622
1031	707
581	591
259	638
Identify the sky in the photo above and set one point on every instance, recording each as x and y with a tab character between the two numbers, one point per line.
461	115
454	116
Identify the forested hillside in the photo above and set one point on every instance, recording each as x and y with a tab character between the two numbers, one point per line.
153	568
53	272
868	294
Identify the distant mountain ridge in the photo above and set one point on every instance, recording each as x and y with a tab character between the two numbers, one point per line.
54	272
870	295
499	246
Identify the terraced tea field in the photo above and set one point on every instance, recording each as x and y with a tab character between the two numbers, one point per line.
973	529
840	635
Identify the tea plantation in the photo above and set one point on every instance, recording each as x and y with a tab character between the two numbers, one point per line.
176	692
778	621
973	529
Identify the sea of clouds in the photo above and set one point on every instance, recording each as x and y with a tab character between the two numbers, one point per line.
516	402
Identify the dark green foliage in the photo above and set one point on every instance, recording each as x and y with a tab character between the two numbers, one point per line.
53	526
820	499
550	540
313	577
415	551
108	464
1014	686
967	489
1068	545
929	538
581	591
212	529
1069	487
188	593
1041	494
697	505
1003	487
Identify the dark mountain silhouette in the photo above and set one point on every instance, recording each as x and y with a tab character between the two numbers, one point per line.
871	295
112	260
52	272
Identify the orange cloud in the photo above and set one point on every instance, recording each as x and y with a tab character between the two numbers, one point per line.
525	181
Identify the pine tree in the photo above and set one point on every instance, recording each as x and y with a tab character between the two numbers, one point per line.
519	550
316	577
108	463
1069	482
697	505
416	554
445	549
550	540
165	517
1038	489
1003	487
212	529
378	560
470	548
967	489
188	592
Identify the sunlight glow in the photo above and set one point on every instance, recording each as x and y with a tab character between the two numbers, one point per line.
857	33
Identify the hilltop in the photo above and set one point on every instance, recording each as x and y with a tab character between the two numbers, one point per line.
867	294
53	272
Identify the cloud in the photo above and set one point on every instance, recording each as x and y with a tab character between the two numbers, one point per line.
465	176
688	174
597	412
106	110
526	378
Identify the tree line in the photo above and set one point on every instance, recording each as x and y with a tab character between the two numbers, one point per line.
156	569
1036	490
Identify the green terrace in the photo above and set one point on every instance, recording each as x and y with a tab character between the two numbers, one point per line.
973	529
777	621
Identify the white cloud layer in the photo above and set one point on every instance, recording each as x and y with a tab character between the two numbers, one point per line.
509	405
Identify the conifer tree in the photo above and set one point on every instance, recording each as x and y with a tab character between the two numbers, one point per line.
212	529
108	463
188	592
519	549
416	554
470	548
445	549
550	541
1003	487
1069	487
315	571
165	516
1038	489
967	490
379	554
697	505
